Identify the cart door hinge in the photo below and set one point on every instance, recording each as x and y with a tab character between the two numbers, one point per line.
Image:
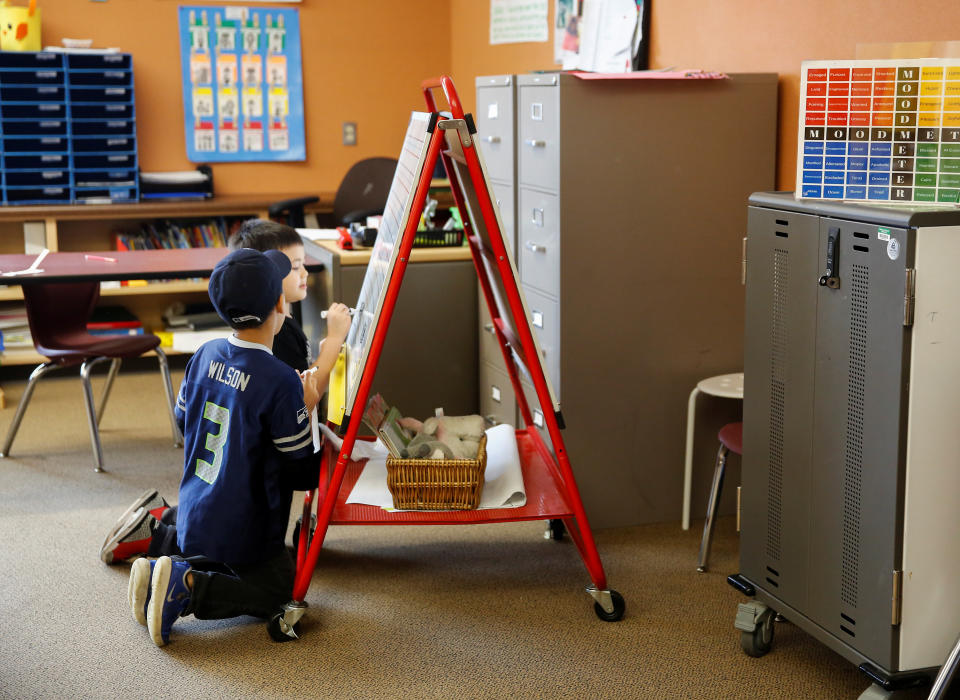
743	263
909	296
896	598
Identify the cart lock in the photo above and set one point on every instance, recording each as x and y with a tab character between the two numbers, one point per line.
830	277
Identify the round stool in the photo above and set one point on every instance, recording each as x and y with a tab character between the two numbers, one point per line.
727	386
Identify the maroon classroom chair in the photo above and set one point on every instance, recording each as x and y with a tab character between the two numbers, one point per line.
731	440
58	315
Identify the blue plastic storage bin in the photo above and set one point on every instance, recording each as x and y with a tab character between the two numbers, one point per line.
102	162
43	110
31	77
52	144
113	110
67	128
38	195
46	161
37	178
102	78
35	127
106	61
97	195
30	59
31	95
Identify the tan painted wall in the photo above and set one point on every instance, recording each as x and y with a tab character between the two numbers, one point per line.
732	35
363	61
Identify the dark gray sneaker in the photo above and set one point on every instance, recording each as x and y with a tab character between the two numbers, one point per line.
151	501
131	539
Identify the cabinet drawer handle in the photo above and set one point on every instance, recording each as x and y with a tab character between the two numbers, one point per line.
536	143
491	419
492	139
536	216
488	327
536	248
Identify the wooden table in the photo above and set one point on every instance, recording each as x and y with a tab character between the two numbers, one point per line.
134	264
130	264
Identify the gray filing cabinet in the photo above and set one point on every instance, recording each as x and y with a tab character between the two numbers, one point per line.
852	395
497	135
629	220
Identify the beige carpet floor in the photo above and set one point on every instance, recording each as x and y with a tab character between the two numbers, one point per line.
492	611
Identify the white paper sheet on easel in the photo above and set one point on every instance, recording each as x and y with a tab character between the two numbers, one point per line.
503	477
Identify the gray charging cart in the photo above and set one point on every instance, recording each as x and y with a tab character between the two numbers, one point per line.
849	509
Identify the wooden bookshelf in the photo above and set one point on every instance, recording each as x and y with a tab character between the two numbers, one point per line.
92	228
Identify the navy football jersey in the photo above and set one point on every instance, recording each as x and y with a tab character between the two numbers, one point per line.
244	422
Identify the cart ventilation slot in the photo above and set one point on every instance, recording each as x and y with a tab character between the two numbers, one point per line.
860	234
847	631
778	349
773	571
772	582
861	248
853	448
782	222
848	619
782	234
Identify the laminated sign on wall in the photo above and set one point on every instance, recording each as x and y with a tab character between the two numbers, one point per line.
242	84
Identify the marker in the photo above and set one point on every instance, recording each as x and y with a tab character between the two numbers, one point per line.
350	312
101	258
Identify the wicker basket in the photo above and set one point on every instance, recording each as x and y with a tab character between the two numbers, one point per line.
437	484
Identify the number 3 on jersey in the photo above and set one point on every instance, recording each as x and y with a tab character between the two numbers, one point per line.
215	441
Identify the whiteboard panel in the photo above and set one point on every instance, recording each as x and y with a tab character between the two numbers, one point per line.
385	252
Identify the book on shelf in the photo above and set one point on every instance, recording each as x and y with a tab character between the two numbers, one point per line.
116	331
383	420
16	339
197	316
165	235
113	320
190	341
14	327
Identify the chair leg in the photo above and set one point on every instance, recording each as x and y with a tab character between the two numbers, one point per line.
946	681
22	406
712	508
111	375
168	390
85	369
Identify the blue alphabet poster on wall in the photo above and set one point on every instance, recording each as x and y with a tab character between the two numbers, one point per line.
242	84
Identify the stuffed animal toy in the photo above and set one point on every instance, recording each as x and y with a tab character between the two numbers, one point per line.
445	437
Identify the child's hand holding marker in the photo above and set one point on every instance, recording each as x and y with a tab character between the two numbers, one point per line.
338	322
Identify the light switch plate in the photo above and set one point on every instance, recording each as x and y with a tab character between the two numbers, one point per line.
349	133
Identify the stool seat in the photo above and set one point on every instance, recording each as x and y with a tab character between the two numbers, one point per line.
731	437
727	386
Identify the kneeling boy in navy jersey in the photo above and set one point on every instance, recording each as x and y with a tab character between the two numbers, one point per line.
247	440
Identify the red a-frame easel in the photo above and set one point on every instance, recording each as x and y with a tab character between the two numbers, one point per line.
549	482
